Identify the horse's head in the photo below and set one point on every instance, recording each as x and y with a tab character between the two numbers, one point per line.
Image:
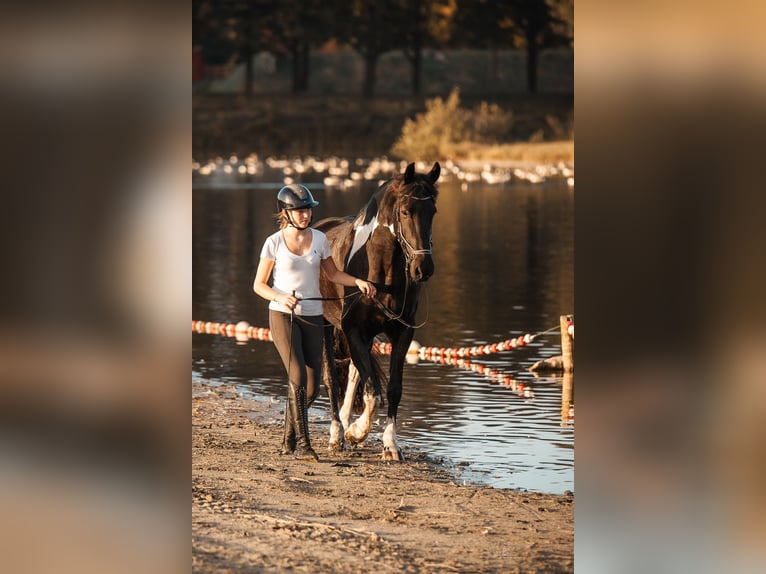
415	208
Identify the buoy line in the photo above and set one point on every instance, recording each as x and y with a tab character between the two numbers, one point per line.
453	356
244	331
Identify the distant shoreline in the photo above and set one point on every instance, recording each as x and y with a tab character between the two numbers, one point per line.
354	127
517	154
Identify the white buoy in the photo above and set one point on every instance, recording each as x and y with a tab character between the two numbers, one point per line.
414	348
413	353
241	327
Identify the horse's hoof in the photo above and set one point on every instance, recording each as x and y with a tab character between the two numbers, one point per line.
397	455
352	440
306	453
336	447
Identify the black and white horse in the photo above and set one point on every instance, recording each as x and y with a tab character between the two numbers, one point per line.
388	243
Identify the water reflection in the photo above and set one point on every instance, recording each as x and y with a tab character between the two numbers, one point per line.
567	405
504	267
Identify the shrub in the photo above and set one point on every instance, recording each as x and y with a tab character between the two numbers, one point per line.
431	134
489	124
434	134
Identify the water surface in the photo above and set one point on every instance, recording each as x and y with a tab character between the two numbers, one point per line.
504	268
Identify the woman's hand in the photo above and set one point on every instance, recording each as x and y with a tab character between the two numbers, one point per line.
288	301
366	287
342	278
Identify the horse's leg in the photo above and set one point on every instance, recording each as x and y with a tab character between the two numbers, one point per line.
332	384
400	344
360	356
348	401
358	430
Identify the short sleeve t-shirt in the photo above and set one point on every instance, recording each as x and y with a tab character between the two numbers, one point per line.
299	273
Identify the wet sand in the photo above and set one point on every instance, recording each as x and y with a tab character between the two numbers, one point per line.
254	510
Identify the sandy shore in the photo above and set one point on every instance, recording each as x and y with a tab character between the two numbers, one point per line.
254	510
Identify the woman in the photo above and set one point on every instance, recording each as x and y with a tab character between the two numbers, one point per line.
294	255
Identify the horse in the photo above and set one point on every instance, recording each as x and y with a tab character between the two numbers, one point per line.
388	243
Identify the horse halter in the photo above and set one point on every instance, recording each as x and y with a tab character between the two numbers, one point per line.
409	250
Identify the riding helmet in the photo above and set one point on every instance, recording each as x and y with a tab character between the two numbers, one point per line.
295	196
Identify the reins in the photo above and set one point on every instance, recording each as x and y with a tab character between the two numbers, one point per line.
346	309
394	317
407	247
409	254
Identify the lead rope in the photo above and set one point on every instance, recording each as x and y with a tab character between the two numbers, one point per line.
409	252
394	317
346	308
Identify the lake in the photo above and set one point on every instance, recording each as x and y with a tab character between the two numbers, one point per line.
504	258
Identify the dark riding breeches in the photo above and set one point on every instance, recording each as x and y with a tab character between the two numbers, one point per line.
300	347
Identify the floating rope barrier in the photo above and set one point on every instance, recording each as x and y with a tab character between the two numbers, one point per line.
493	375
244	331
453	356
436	353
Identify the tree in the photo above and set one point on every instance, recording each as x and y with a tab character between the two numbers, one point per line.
301	25
540	28
530	24
428	25
230	31
373	28
280	26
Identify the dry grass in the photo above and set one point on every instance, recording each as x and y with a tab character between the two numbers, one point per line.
543	152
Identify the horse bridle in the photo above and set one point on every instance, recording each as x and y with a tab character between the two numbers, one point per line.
409	250
409	254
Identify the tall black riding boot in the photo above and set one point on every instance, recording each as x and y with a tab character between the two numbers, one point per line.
299	409
288	442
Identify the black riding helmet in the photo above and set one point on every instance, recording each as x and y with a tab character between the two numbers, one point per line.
295	196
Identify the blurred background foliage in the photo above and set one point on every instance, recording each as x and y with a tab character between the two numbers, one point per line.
347	77
265	36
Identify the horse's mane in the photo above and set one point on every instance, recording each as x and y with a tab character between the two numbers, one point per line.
389	191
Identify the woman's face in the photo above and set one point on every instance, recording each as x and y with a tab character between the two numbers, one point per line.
301	217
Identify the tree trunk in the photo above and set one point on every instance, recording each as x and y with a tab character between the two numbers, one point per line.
295	55
303	79
532	54
300	55
417	49
417	65
370	67
247	55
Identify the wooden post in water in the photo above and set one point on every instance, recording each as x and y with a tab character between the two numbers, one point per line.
566	398
567	355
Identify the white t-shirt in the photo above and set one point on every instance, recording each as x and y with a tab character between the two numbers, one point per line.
299	273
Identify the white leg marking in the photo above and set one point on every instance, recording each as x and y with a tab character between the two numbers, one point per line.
359	430
336	437
391	450
348	401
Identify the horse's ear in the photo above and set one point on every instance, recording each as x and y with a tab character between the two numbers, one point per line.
435	171
409	173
